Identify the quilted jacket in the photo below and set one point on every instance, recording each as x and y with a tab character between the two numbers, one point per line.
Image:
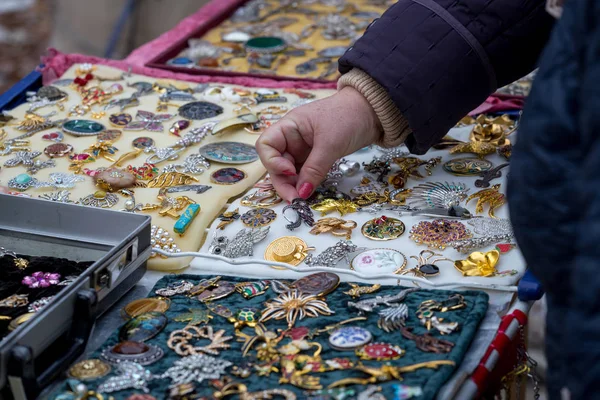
439	59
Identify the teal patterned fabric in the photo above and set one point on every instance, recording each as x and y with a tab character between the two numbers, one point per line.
429	380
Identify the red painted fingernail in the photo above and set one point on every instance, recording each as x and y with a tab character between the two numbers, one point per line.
305	190
287	172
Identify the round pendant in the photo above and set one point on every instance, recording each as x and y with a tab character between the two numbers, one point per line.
143	327
88	370
181	61
53	137
100	199
51	93
287	249
113	179
380	352
137	352
265	44
229	152
349	338
379	261
142	306
143	143
198	110
223	289
258	217
121	119
470	166
227	176
333	52
58	150
82	127
383	228
109	135
319	284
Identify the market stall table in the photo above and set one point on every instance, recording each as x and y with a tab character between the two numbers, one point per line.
488	329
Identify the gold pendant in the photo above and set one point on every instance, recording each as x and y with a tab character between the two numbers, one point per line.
168	179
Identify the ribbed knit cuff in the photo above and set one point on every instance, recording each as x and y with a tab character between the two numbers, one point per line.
395	126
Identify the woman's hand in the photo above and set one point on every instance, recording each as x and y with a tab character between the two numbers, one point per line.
299	149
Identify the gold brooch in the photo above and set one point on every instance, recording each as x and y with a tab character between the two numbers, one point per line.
331	205
492	196
479	264
335	226
294	305
383	228
287	249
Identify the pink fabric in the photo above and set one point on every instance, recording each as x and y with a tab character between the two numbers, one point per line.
56	63
143	54
499	102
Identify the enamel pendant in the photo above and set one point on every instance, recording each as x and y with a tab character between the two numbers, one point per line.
349	338
229	152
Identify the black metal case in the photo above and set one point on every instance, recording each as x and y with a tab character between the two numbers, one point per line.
118	243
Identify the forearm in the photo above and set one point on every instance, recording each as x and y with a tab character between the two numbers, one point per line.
437	60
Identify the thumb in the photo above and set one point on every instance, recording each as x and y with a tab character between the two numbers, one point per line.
314	170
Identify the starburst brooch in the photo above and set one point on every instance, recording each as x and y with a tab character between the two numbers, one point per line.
295	305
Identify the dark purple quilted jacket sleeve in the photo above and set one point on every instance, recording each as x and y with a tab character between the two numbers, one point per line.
439	59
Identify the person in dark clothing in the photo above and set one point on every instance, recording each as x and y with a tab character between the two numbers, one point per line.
424	65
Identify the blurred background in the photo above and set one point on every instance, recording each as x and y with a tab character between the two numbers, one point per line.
105	28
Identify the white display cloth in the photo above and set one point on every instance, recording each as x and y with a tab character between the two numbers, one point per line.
448	273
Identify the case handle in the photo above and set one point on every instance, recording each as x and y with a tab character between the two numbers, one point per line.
22	361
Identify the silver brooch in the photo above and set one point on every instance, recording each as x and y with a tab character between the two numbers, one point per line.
196	368
369	305
60	197
173	288
392	318
100	199
39	304
130	204
24	158
491	226
241	245
331	255
303	214
63	180
438	195
194	164
131	376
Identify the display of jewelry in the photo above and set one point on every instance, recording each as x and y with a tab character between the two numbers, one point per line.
295	341
302	39
29	283
118	142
